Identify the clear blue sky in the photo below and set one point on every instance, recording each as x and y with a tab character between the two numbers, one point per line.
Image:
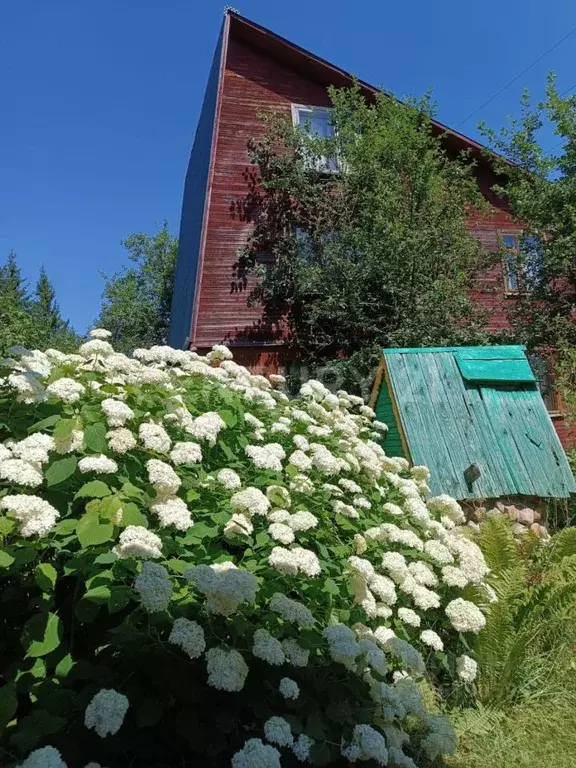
99	102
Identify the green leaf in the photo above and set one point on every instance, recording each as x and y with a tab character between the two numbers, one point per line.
49	421
331	587
61	470
192	495
95	438
230	455
119	598
98	594
91	532
132	491
315	726
131	515
229	418
8	704
262	538
95	489
202	531
66	527
45	576
41	634
64	666
178	566
7	525
6	559
64	428
86	611
148	713
320	754
106	558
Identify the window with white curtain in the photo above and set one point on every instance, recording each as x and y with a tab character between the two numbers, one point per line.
317	121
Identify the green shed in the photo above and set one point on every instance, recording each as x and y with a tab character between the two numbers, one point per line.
475	417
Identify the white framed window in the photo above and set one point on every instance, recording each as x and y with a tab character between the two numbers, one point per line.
522	261
317	121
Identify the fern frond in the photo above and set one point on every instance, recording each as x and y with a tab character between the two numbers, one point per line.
563	544
499	545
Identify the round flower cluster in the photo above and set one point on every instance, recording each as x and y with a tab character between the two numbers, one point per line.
236	539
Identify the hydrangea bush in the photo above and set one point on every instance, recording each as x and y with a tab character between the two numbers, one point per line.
197	570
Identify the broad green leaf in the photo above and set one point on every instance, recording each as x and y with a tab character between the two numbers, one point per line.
41	634
6	559
119	598
130	490
95	437
148	713
7	525
91	532
95	489
106	558
331	587
178	566
66	527
49	421
192	495
45	576
229	418
262	538
98	594
131	515
8	704
320	754
64	428
315	726
228	453
86	610
202	531
64	666
61	470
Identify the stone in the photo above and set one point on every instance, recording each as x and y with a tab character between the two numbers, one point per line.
525	516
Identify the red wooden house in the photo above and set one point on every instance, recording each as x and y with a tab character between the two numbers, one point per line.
255	71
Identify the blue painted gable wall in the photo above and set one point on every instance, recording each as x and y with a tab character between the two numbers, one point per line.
193	211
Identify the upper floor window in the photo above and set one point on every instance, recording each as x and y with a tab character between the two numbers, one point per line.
522	260
317	121
542	365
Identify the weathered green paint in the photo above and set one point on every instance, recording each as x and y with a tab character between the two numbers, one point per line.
496	370
474	405
384	409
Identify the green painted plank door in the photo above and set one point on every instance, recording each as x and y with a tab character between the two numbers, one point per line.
470	431
423	433
503	426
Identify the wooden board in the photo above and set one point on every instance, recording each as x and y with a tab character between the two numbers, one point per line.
496	370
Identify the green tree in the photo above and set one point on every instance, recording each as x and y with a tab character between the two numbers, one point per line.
137	301
51	330
540	188
377	254
16	326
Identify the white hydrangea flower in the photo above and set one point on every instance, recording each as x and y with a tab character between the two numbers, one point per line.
293	561
447	506
219	352
172	511
227	670
278	495
33	449
116	412
162	477
95	348
429	637
29	389
291	610
101	465
207	427
360	544
264	457
35	515
346	510
302	521
324	460
465	616
229	479
250	501
393	509
454	577
295	654
466	668
278	731
238	525
281	532
267	648
45	757
437	552
189	636
121	440
154	587
301	484
408	616
301	442
20	472
154	437
67	390
411	658
423	574
256	754
299	460
367	743
289	688
342	643
253	421
106	711
137	541
349	485
224	585
99	333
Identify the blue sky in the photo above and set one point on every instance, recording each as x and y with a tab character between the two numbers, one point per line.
100	101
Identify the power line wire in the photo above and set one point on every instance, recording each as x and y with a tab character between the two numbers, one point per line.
514	79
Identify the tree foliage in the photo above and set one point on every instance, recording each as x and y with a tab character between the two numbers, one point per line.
31	320
137	301
540	188
375	255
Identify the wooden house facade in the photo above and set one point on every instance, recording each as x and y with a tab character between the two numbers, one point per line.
254	72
